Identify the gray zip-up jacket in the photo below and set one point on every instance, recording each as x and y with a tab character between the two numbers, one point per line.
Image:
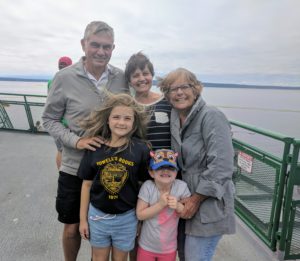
73	96
205	157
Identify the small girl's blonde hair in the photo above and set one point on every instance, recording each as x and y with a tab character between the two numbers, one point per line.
97	123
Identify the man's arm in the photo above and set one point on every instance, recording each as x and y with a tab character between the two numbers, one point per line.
54	110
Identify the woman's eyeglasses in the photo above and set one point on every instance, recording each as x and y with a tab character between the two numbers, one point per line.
184	88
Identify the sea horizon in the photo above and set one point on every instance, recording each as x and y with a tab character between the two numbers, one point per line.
273	109
206	84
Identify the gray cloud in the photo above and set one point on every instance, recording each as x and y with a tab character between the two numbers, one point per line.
223	37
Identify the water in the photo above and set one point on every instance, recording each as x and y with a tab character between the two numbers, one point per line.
37	88
275	110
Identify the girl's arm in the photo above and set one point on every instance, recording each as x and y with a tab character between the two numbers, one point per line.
145	211
84	207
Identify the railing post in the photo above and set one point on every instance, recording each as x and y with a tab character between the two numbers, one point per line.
29	115
288	197
281	189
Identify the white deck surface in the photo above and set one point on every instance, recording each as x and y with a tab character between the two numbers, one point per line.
29	228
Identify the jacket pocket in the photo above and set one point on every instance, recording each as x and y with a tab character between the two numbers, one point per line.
212	210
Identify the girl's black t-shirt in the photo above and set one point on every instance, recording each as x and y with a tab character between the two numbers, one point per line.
115	176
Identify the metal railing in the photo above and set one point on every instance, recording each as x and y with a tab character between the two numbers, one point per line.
265	179
4	118
21	112
265	186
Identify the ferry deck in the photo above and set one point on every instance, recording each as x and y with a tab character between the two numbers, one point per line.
29	227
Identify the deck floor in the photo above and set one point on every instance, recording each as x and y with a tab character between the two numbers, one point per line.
29	227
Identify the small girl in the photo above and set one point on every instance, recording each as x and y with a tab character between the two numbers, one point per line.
111	176
159	208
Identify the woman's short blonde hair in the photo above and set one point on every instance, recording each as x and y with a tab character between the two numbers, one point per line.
180	73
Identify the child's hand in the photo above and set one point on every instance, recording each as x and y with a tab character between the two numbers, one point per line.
172	202
84	230
163	200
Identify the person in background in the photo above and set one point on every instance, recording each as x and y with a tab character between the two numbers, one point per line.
62	63
139	73
38	126
202	135
111	177
75	92
159	207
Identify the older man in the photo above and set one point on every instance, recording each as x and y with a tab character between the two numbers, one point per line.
75	92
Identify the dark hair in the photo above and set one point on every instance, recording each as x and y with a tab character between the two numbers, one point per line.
137	61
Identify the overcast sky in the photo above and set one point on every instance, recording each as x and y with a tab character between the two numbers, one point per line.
216	39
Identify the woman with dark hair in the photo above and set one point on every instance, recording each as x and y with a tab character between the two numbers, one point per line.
139	75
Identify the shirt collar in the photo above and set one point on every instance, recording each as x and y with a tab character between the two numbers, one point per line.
104	75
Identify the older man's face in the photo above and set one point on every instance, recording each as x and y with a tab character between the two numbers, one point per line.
98	50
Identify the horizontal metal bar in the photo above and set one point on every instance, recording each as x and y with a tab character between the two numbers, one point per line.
19	94
40	104
271	134
255	152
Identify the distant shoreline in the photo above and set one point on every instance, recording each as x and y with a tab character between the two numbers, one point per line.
206	84
248	86
13	79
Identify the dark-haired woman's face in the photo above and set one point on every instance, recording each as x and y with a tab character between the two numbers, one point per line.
141	80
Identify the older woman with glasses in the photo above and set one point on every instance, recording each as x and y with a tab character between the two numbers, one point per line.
201	135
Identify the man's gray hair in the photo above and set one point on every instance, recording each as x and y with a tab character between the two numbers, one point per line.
97	27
